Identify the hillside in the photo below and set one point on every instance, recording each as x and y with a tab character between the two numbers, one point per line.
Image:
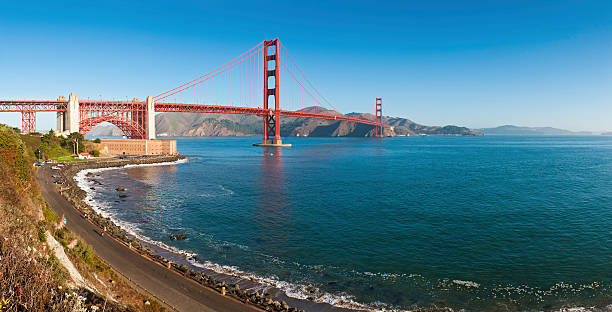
517	130
186	124
44	266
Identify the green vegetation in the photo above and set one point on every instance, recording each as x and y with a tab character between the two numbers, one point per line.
69	159
81	250
75	139
51	146
30	278
97	140
95	153
42	228
49	215
27	277
15	159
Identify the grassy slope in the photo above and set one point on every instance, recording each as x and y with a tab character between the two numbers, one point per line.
31	275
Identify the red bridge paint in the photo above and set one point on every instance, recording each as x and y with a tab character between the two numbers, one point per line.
131	116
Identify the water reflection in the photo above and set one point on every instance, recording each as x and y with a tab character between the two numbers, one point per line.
273	213
154	185
151	175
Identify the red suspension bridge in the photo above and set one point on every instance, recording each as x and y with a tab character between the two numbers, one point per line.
249	84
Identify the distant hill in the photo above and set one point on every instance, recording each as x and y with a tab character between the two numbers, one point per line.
189	124
105	130
185	124
517	130
607	133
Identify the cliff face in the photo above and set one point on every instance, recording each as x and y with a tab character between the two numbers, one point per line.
187	124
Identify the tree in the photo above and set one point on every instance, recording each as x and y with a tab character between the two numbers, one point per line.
50	138
42	151
76	139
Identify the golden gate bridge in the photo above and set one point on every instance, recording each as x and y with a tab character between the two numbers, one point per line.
248	84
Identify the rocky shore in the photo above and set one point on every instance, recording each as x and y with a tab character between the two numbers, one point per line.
76	196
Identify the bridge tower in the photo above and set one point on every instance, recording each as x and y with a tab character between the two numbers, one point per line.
271	130
379	118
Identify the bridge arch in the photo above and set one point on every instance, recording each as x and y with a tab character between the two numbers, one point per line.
131	128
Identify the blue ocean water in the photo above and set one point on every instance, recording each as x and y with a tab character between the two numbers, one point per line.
480	223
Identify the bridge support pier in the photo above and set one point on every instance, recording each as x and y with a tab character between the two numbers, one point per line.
271	134
68	122
150	119
60	119
60	122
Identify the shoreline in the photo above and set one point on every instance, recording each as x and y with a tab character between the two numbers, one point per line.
261	295
75	196
179	263
169	287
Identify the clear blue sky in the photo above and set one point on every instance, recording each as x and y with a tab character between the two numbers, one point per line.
469	63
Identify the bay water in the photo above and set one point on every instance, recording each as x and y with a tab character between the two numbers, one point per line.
476	223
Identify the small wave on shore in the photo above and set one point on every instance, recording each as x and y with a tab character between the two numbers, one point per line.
102	209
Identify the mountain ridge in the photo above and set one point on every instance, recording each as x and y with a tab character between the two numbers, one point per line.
189	124
521	130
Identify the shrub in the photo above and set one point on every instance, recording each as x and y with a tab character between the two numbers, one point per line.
42	229
49	215
88	256
97	140
63	236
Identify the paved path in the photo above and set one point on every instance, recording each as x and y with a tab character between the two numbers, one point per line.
176	291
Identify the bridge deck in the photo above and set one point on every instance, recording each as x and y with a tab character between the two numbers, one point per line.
124	106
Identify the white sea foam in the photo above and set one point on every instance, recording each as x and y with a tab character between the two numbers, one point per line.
466	283
223	191
293	290
102	208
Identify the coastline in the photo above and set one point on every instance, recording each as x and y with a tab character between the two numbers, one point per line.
75	196
216	277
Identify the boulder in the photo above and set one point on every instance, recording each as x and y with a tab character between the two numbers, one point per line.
178	237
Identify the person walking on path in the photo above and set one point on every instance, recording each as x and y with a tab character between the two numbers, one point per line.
102	231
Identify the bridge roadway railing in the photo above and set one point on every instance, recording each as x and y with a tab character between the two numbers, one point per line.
33	105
